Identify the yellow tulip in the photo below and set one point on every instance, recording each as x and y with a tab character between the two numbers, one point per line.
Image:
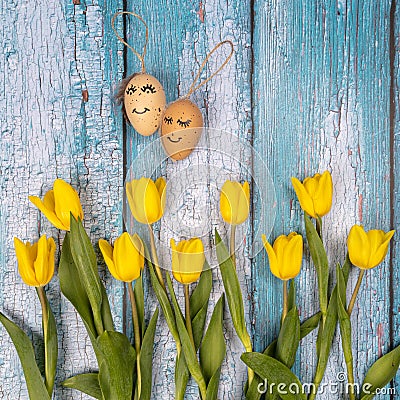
58	203
36	261
146	199
235	202
315	194
367	249
285	256
187	260
126	260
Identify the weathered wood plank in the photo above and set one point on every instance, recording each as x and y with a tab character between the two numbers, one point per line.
395	179
321	100
59	68
181	34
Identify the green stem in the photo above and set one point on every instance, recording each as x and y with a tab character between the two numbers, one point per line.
155	257
318	226
136	330
355	293
49	381
285	301
187	314
232	244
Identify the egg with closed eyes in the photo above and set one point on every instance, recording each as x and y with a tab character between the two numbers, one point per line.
144	103
181	128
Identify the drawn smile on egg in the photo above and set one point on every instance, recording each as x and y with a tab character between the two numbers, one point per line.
140	112
174	141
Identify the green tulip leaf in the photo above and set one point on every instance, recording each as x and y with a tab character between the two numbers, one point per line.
201	293
213	385
34	381
292	295
181	376
288	339
50	346
106	315
275	373
163	300
325	336
344	323
187	346
213	347
116	369
85	260
233	291
146	357
380	373
72	289
71	286
199	305
139	299
85	383
306	328
320	261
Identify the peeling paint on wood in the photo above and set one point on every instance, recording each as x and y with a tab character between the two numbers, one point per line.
310	85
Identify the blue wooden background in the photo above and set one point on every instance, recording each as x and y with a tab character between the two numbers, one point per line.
313	85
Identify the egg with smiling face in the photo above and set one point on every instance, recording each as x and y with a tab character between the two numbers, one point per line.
181	128
144	101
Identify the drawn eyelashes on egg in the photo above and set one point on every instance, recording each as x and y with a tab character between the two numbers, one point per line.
145	89
148	88
131	90
184	124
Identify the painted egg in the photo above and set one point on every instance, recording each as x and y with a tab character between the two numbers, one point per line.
181	128
144	101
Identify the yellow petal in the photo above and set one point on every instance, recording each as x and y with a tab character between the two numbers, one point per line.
138	243
107	252
358	247
243	206
226	206
292	258
127	260
161	186
273	262
49	213
311	185
144	200
51	249
66	202
379	242
41	262
187	260
323	195
306	202
25	263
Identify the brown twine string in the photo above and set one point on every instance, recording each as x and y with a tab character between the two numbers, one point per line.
139	56
193	88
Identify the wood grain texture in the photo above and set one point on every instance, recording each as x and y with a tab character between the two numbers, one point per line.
313	85
322	80
59	69
181	35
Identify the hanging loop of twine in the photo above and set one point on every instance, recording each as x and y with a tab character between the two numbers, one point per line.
139	56
193	87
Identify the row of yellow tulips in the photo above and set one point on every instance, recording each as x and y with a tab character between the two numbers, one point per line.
147	199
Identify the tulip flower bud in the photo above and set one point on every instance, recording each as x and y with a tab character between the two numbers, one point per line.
126	260
146	199
59	203
36	261
315	194
367	249
235	202
187	260
285	256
